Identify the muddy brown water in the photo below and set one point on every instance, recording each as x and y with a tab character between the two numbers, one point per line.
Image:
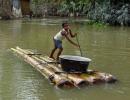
108	47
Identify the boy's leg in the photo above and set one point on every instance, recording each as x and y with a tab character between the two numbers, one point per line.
52	52
59	53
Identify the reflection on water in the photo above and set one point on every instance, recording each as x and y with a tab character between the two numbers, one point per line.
108	47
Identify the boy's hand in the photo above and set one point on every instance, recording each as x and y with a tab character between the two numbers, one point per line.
75	34
77	45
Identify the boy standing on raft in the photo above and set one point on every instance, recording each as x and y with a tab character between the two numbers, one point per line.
64	33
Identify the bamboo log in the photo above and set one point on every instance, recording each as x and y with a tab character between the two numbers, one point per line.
91	78
77	81
96	77
58	80
108	78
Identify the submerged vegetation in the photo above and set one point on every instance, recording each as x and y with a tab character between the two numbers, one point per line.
113	12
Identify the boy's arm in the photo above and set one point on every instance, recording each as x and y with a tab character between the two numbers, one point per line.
71	34
71	41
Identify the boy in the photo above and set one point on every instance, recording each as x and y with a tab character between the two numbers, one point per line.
64	33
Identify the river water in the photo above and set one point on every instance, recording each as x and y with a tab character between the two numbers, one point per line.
108	47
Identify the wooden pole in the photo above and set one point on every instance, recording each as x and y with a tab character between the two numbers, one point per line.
79	46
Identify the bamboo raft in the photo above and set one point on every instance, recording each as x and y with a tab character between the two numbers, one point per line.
52	71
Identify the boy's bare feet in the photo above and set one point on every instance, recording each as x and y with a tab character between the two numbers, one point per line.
52	57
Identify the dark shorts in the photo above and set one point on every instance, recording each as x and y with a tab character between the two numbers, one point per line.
58	43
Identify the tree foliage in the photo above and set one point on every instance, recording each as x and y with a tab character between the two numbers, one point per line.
107	11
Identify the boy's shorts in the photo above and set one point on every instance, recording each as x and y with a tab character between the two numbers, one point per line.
58	43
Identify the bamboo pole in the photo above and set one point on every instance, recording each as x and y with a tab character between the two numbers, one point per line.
92	78
108	78
96	77
58	80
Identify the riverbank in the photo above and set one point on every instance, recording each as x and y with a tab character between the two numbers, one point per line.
107	12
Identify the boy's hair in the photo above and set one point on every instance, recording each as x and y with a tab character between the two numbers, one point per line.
63	24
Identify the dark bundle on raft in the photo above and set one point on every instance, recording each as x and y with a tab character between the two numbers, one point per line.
54	73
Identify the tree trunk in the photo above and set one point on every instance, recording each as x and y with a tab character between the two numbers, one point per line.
5	6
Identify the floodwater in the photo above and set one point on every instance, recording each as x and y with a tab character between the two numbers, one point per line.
108	47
